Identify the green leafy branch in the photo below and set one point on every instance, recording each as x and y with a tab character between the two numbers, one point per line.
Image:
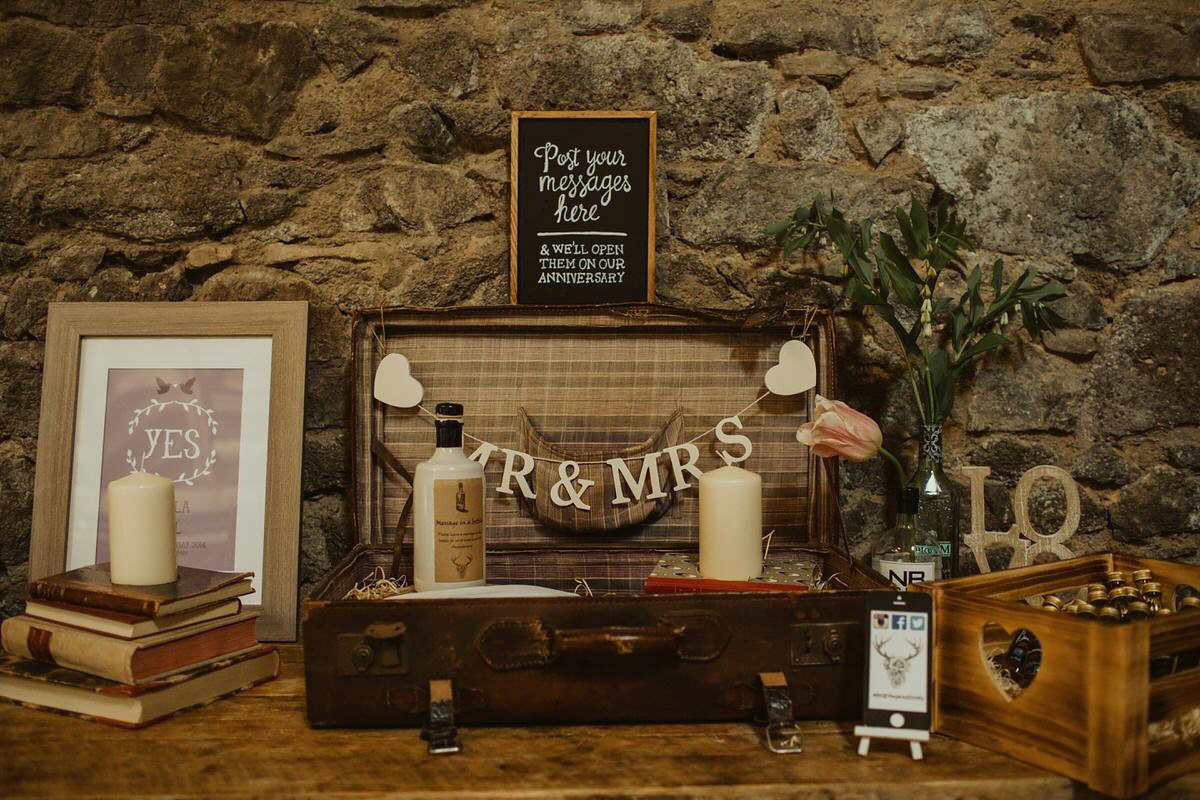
885	277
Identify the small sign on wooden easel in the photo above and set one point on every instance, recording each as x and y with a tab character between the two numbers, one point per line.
898	681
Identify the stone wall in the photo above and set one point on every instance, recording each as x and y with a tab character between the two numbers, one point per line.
353	153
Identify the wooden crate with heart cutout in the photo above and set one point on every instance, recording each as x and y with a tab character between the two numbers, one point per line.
1092	712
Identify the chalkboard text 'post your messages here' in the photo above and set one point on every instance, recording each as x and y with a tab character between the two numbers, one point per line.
582	207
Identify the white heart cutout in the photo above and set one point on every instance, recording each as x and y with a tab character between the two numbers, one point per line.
394	383
796	371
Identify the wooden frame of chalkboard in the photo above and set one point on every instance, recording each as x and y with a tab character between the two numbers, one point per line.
571	266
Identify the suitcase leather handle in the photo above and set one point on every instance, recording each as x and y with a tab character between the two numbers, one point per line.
618	642
521	643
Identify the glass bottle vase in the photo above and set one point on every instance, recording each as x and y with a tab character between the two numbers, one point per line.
939	509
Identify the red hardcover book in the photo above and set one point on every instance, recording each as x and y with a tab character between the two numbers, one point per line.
128	660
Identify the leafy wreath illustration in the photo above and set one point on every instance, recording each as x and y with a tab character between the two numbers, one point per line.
159	406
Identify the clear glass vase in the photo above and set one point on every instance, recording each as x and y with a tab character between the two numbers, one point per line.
939	510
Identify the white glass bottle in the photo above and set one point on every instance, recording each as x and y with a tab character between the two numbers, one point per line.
906	553
448	517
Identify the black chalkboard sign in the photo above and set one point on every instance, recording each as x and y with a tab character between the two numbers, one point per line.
582	207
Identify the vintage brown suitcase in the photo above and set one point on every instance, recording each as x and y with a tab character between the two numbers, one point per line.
591	381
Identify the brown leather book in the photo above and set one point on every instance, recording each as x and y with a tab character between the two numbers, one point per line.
128	660
45	686
126	626
91	586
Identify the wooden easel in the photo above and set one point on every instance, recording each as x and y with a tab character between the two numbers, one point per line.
866	733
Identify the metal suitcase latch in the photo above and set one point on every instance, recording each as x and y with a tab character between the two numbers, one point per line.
819	643
381	649
783	734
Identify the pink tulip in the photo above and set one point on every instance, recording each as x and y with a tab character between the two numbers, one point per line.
839	430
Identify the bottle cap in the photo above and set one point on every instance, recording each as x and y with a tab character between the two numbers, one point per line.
449	410
1189	603
1138	610
1152	588
1097	596
1052	603
1087	610
1108	614
1115	578
906	501
1127	592
1141	575
1164	612
1096	587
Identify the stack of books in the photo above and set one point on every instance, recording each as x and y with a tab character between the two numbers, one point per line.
132	655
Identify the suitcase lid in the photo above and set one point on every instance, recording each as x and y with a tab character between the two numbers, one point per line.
592	380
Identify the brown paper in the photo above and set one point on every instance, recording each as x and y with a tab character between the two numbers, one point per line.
458	530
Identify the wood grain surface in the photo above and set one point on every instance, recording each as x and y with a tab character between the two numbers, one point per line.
258	744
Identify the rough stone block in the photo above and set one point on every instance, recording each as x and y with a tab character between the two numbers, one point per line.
1010	457
53	133
707	109
1162	502
42	65
880	133
1148	371
76	261
1183	110
164	195
811	128
1036	393
444	57
347	43
127	58
938	33
743	197
683	19
769	27
1035	175
1135	48
209	255
235	77
1074	343
823	66
918	84
424	131
21	385
1101	465
599	16
416	199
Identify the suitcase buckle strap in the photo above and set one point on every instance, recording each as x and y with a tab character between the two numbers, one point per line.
441	732
783	734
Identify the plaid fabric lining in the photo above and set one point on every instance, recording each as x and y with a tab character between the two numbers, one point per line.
591	385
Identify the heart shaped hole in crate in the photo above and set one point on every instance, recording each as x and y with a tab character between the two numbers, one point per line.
1011	659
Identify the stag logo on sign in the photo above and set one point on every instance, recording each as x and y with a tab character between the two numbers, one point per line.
897	667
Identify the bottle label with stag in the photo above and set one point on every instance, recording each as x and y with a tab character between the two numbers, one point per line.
458	530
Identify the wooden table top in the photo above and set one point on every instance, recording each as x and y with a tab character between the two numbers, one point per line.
258	744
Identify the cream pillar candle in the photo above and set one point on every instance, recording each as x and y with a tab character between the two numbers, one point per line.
730	524
141	530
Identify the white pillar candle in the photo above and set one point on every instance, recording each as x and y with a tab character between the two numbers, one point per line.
141	530
730	524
